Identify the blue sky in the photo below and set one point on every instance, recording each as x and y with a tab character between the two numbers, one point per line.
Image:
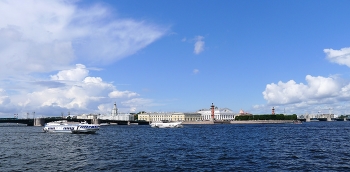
174	56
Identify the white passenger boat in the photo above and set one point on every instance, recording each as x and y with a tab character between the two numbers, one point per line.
166	124
103	124
297	122
70	127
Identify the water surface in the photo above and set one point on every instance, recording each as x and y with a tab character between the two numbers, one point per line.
313	146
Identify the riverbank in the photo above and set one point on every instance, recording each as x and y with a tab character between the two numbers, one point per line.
240	122
197	122
262	122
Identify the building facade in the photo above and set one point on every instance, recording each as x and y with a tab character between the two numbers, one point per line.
193	116
113	116
224	114
177	116
86	116
143	117
118	116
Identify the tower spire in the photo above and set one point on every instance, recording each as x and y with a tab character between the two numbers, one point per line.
212	111
115	110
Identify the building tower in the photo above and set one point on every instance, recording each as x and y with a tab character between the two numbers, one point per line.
115	110
212	111
273	110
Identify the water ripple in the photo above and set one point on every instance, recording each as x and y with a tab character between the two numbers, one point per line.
315	146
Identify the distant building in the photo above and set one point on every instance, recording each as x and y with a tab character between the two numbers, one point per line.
143	117
193	116
219	114
242	113
113	116
87	116
155	116
177	116
118	116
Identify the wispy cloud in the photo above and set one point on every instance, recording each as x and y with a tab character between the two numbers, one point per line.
199	45
195	71
44	36
137	103
120	94
341	56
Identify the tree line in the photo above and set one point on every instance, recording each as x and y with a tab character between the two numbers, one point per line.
267	117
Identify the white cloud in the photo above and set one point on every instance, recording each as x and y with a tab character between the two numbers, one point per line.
317	89
93	80
4	99
79	92
284	93
318	94
44	36
137	103
42	39
119	94
82	94
199	45
77	74
341	56
195	71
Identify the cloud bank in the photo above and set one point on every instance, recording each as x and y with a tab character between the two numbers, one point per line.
317	90
76	92
44	45
318	93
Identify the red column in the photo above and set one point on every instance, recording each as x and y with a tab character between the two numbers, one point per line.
212	111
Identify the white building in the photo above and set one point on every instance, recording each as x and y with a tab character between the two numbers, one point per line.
155	117
118	116
113	116
87	116
225	114
176	116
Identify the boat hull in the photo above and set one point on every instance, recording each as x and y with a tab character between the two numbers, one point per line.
166	125
86	129
84	132
56	131
64	127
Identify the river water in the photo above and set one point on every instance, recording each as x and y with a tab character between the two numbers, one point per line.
313	146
